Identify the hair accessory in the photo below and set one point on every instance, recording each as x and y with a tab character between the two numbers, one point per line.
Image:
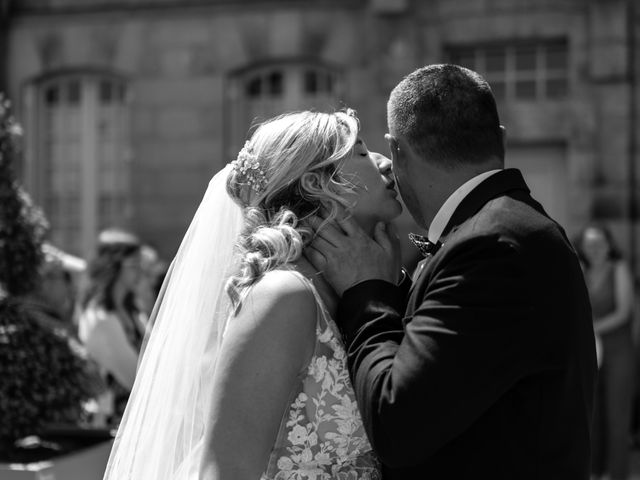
247	165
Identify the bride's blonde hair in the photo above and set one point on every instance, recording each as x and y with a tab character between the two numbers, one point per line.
295	159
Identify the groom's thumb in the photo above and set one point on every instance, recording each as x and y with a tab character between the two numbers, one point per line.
380	235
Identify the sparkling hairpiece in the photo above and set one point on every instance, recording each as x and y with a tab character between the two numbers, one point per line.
247	165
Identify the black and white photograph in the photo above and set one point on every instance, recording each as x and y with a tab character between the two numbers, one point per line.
319	240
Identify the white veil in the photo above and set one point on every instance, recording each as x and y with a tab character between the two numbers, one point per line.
161	433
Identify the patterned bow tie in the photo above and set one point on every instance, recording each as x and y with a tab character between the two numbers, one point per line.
427	248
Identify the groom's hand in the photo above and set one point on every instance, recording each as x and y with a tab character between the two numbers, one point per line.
346	255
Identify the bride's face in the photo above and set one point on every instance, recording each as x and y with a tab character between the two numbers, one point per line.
374	194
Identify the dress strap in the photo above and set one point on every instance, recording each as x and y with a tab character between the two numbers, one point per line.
322	308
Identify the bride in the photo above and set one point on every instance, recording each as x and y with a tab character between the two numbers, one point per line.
244	375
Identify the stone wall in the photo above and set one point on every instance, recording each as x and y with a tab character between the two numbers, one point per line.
177	65
178	58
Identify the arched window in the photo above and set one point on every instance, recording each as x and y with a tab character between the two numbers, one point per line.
263	92
78	165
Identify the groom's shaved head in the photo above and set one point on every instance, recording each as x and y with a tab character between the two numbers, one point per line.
448	115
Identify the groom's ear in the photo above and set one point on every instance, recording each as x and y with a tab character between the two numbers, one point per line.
394	146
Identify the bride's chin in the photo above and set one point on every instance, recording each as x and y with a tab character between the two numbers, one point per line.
395	211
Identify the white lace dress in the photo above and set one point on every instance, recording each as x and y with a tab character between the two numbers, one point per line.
321	435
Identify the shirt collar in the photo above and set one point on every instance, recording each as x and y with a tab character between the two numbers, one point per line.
443	216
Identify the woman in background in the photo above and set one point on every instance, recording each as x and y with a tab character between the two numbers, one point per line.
110	323
611	291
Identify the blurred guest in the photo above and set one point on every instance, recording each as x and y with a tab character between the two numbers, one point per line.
52	300
51	305
75	269
611	290
153	269
111	324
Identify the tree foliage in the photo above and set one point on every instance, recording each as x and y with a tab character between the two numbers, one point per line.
22	225
46	377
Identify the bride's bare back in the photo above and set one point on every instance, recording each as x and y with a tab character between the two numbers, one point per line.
282	401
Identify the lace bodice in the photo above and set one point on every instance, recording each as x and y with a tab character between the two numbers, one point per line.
321	435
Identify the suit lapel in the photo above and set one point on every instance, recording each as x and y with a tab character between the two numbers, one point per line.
496	185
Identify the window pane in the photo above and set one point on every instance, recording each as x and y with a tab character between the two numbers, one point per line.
282	87
464	57
254	87
499	89
525	58
525	89
106	92
63	143
329	83
120	93
52	96
275	83
495	60
556	57
73	92
310	81
557	87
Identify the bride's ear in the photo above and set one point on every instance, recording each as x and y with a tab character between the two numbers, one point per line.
310	181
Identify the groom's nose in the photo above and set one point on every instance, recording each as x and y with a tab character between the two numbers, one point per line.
384	164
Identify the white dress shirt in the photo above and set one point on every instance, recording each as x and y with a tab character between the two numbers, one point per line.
443	216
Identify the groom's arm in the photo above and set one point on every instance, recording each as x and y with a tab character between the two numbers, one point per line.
374	298
467	343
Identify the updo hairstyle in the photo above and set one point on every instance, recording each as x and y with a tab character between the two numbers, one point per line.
299	155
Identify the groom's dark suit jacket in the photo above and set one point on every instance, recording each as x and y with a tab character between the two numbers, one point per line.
485	369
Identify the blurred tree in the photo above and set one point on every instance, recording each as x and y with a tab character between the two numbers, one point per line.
44	375
22	225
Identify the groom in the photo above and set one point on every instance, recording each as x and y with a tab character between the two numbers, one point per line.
484	368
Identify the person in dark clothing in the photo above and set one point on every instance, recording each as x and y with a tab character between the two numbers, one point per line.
610	287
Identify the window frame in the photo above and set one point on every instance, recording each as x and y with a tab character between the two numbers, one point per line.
506	81
90	189
243	113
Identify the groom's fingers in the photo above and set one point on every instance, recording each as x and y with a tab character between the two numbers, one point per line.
392	233
381	236
350	227
316	258
323	246
331	232
394	239
324	212
320	229
318	223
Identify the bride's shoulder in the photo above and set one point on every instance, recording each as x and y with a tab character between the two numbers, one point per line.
280	295
284	280
279	312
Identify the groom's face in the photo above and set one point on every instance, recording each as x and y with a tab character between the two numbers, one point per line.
400	156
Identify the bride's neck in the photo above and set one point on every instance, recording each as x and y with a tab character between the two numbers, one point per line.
326	292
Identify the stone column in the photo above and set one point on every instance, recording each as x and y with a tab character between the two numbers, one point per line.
611	76
4	41
633	24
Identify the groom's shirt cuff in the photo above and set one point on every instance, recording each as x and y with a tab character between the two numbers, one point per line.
368	300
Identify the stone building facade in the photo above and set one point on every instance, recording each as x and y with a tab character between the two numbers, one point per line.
131	106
